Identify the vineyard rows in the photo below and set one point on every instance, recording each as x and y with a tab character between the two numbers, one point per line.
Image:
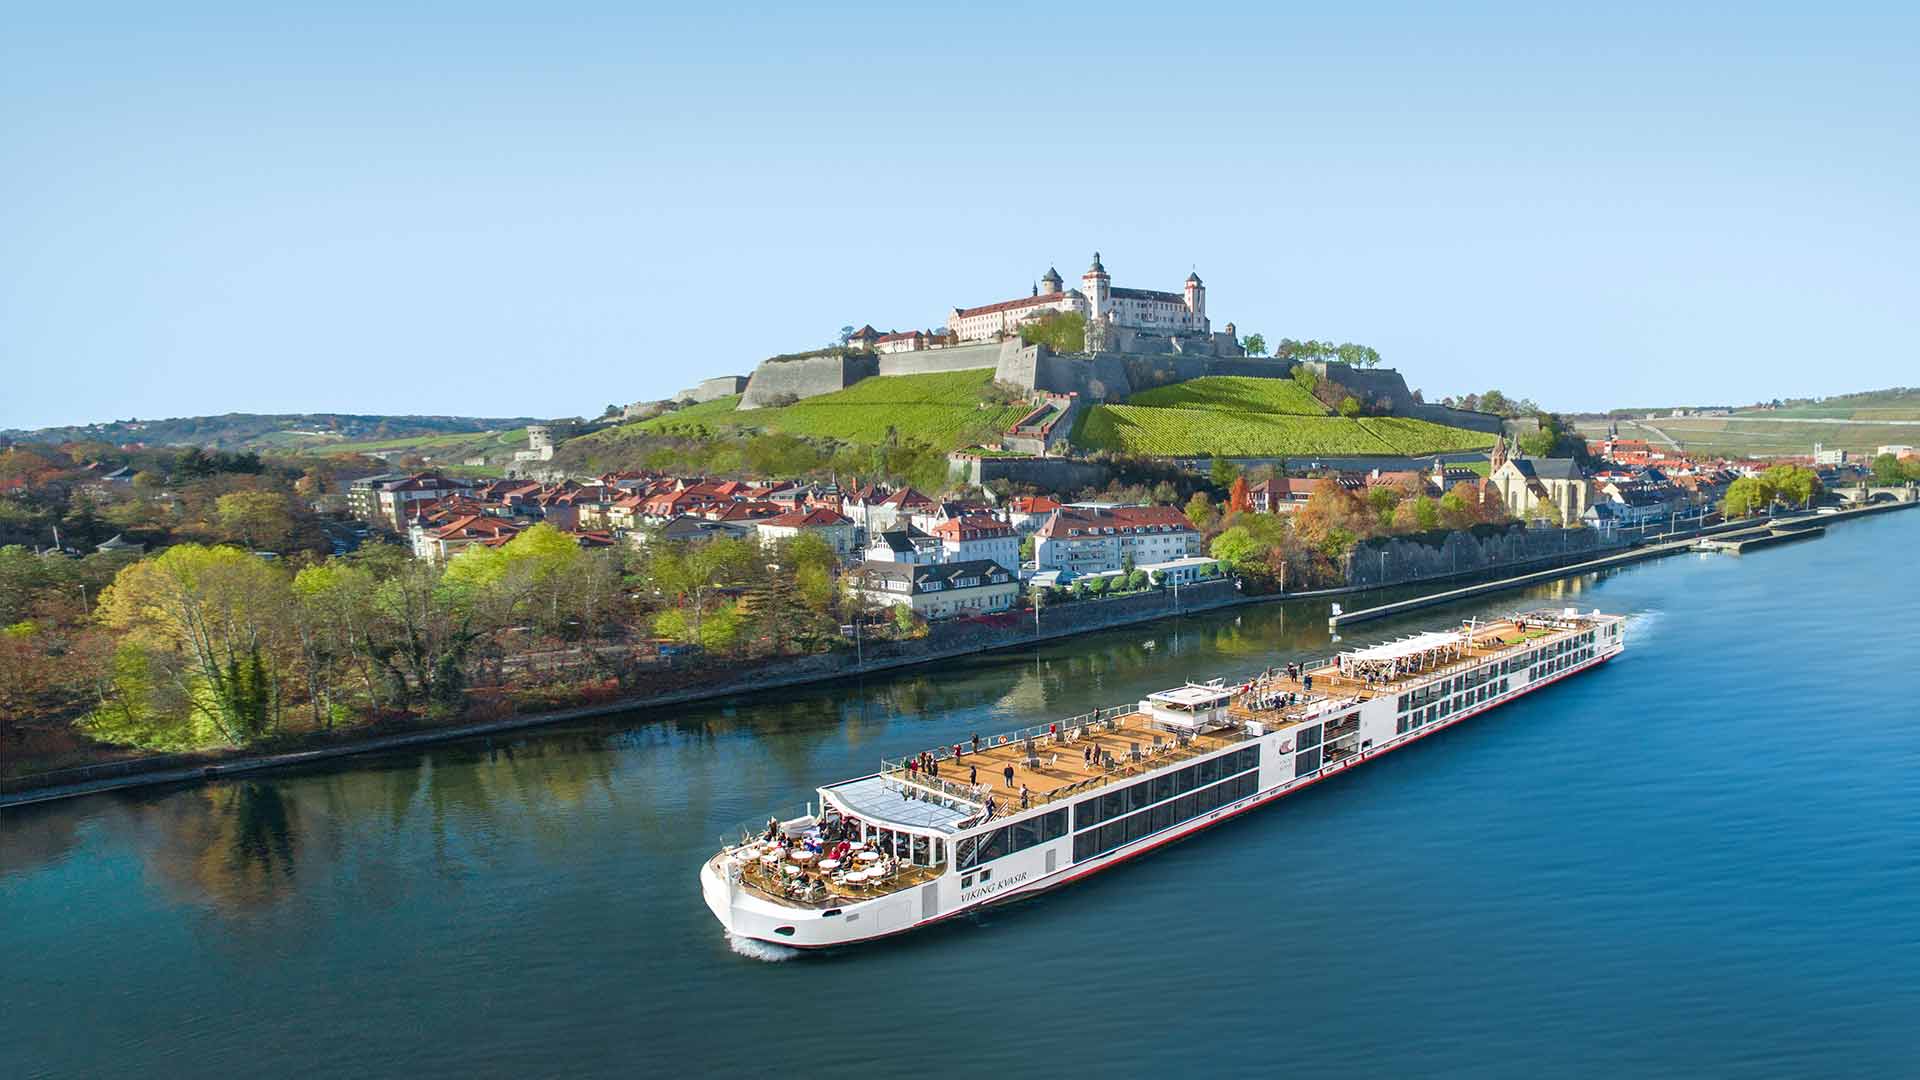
1234	393
1158	432
944	409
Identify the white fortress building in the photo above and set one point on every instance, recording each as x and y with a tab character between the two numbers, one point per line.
1106	308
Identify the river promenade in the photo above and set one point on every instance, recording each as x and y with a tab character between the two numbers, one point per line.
1095	617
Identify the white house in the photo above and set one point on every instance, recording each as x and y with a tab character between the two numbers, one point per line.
940	591
1081	540
835	528
965	539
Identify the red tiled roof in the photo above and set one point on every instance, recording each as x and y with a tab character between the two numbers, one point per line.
816	518
972	527
1013	305
1131	519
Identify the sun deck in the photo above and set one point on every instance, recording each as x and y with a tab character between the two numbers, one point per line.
1383	670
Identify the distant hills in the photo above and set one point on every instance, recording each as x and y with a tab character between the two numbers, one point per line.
267	432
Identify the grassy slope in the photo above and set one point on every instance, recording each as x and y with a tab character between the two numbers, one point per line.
1873	405
943	409
1232	393
1140	429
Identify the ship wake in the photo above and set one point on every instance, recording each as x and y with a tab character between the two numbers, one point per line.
763	951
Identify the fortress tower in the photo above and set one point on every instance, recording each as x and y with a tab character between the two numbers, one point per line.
1097	287
1197	298
1050	284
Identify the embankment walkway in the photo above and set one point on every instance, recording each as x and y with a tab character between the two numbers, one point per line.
1738	534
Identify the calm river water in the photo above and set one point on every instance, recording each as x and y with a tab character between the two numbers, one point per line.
1700	860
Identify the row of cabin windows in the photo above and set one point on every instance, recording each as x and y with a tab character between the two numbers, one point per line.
1141	824
1419	699
1448	706
1007	839
1137	796
1561	663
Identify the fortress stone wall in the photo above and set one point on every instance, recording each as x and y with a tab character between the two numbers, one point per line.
929	361
711	389
1386	384
806	376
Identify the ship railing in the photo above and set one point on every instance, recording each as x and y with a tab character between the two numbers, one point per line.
914	784
1040	734
749	831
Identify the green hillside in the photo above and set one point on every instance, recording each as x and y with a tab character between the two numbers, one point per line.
945	409
1168	432
1234	393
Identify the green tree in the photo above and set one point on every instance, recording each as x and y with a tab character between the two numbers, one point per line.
1256	345
1061	331
1200	511
1223	472
1350	407
1887	470
1747	495
208	621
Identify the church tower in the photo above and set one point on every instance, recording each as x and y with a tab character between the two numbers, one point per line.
1050	284
1098	288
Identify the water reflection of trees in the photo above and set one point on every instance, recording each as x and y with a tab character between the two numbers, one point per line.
235	846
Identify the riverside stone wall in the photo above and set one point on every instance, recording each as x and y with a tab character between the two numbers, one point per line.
1485	548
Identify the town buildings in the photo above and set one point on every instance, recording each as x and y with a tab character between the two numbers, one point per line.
973	537
941	590
833	527
1079	540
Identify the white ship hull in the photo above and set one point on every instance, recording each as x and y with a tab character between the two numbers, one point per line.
745	913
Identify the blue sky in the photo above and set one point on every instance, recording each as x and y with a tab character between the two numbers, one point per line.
541	209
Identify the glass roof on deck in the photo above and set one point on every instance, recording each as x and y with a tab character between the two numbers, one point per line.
880	802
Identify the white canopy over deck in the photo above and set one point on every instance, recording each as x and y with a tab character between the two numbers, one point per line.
1390	658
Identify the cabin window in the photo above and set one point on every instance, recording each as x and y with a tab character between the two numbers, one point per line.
1163	787
1306	761
1053	825
993	845
1026	834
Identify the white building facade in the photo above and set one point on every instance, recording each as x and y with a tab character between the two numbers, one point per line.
1097	299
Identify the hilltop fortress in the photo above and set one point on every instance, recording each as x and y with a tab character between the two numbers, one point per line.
1136	339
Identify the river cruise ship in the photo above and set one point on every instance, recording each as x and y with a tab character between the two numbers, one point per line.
989	821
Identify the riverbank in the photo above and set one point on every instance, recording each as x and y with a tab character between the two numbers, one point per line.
1069	621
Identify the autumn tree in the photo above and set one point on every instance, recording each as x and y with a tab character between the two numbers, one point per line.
1239	499
261	520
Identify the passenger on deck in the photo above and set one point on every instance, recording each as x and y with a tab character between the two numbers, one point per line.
1026	797
1008	773
773	828
973	775
976	742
